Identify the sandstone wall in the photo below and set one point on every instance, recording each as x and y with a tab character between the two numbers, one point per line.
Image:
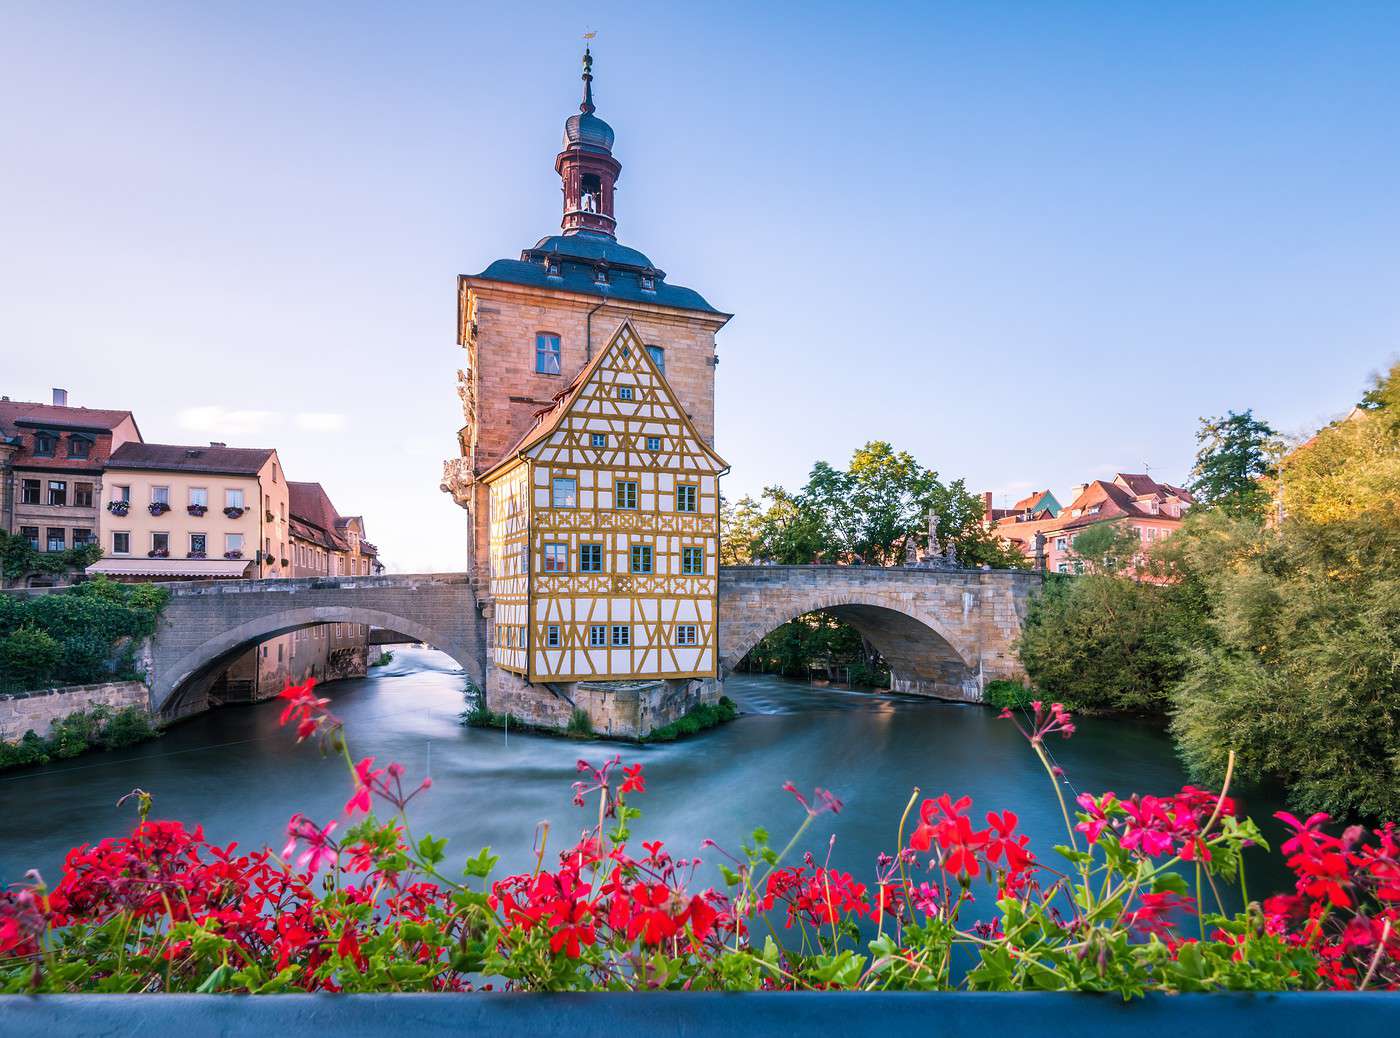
25	711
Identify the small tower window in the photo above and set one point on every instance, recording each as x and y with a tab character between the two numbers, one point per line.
600	276
547	354
590	193
648	282
624	392
658	355
551	266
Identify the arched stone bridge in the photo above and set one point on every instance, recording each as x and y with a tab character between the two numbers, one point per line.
943	633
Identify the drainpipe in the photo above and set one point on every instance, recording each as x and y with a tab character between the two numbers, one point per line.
588	332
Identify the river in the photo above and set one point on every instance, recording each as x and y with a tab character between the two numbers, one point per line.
240	775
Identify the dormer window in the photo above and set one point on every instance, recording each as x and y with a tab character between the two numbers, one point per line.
551	267
44	444
600	276
647	280
79	447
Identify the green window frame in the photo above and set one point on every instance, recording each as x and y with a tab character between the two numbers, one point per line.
641	558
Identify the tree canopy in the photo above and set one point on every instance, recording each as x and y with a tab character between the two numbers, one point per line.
1234	453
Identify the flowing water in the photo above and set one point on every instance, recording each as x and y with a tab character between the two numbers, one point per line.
241	776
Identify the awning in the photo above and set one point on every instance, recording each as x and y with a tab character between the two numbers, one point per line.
185	568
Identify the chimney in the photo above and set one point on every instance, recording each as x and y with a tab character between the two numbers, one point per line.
216	443
60	398
987	506
1079	488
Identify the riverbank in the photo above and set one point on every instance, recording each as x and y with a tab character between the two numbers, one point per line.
702	718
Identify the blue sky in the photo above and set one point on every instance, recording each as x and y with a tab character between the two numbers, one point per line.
1031	243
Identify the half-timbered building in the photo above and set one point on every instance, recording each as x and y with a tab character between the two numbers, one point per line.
604	531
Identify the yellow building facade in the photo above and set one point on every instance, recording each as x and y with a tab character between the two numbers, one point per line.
604	532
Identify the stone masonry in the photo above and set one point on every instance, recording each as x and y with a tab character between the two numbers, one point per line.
207	624
36	711
944	633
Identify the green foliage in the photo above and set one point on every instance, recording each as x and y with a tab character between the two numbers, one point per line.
1101	642
1234	453
868	512
29	657
1108	548
1005	694
97	728
866	673
706	715
792	649
1301	670
88	633
383	659
580	723
19	559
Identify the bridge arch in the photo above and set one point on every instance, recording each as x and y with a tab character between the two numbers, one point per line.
923	654
206	661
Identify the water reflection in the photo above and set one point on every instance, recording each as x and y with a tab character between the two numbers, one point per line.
241	776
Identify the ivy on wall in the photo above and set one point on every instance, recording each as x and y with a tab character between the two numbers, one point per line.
19	559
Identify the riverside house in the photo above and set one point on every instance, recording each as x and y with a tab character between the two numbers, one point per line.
174	512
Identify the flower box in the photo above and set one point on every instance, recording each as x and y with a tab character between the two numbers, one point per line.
119	507
197	510
158	553
233	555
158	508
234	513
196	555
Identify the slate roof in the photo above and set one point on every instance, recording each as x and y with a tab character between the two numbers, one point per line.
579	258
22	412
171	457
313	515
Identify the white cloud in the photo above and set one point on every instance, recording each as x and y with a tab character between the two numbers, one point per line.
321	421
225	421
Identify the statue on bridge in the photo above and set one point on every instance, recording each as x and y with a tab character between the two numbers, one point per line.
935	555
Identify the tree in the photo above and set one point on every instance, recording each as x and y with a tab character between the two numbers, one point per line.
29	657
1100	642
1108	548
1301	671
1234	452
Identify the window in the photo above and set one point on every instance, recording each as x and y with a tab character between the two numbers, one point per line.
598	634
44	444
233	542
82	495
160	495
686	634
82	537
58	538
551	636
30	534
79	448
626	494
598	439
692	561
121	543
233	498
685	497
1063	567
653	443
624	392
641	558
547	353
590	558
58	492
199	496
556	558
565	492
621	636
658	355
199	543
121	494
29	493
160	542
1061	544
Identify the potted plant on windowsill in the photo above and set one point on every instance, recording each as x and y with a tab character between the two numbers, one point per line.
196	555
233	555
197	510
158	508
158	553
119	507
286	562
233	512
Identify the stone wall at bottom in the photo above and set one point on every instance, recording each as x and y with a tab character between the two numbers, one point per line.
36	711
615	709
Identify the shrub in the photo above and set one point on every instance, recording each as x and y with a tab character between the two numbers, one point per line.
83	730
1007	695
29	657
85	659
580	723
127	727
706	715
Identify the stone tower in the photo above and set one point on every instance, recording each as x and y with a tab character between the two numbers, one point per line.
530	325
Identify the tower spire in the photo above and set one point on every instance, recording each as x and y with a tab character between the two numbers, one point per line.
587	106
